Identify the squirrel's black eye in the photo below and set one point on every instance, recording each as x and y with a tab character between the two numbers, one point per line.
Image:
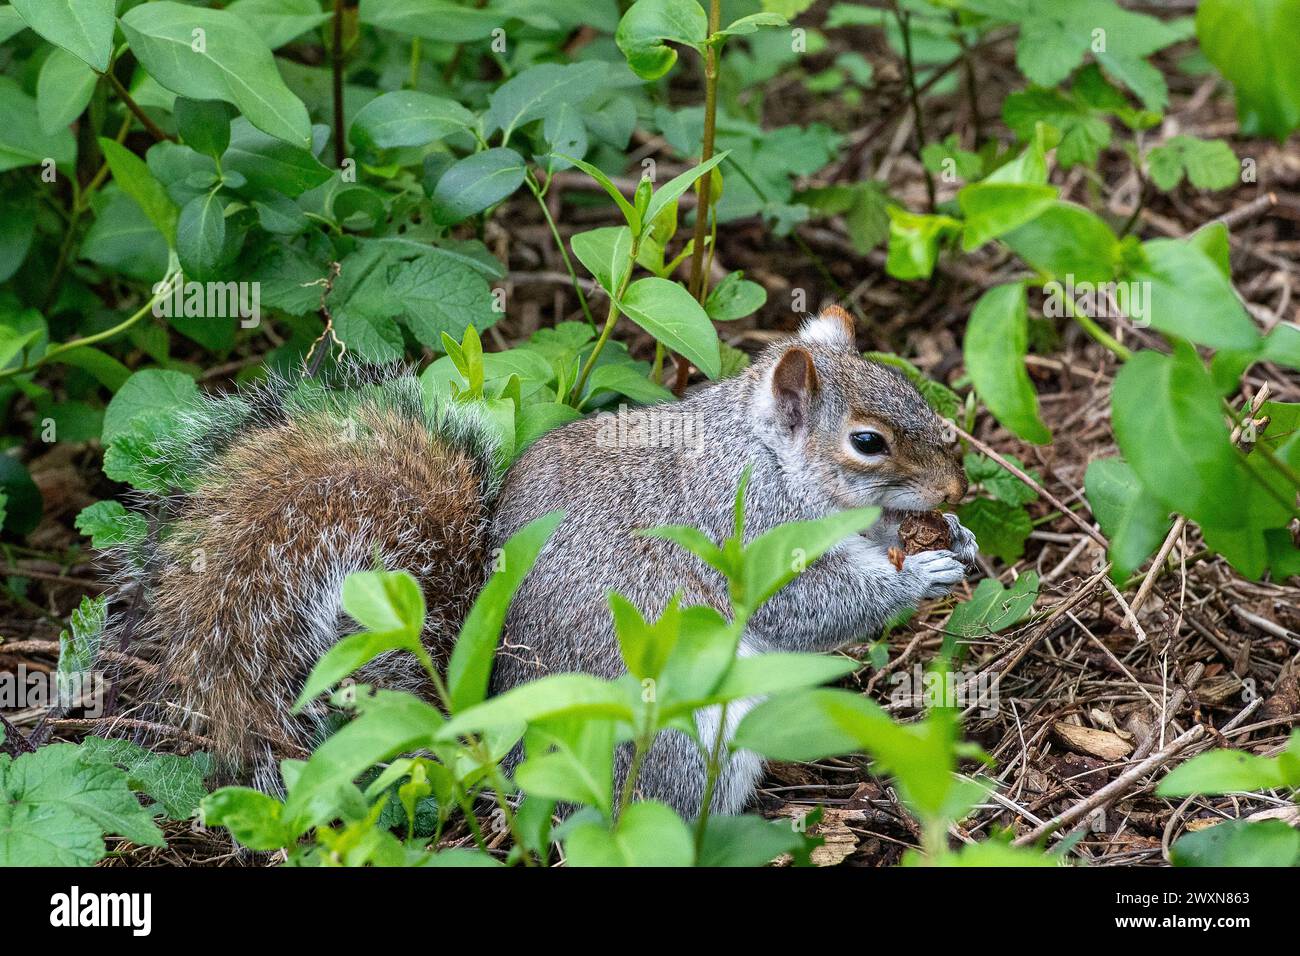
869	443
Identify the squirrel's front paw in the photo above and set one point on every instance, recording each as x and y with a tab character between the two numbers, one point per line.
936	573
963	541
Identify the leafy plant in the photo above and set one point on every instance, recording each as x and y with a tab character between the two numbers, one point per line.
1237	842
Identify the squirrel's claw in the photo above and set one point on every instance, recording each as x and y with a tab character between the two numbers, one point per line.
936	572
964	544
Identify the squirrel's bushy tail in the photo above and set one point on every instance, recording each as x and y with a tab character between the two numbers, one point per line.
290	487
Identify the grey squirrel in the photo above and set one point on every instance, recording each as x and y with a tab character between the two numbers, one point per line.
281	507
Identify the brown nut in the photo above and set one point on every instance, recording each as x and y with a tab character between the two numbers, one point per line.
924	531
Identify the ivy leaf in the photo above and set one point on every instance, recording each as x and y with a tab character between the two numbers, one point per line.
650	25
82	27
997	340
214	55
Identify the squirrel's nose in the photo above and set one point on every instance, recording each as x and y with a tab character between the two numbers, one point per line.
956	488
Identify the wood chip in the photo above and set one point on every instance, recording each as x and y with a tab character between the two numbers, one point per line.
1094	743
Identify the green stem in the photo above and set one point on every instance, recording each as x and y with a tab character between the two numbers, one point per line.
915	97
413	79
336	68
699	283
1096	331
714	765
124	95
611	319
657	373
97	337
540	194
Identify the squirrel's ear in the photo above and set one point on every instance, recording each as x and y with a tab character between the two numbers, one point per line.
833	327
794	388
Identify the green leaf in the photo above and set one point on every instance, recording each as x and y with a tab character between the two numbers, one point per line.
253	818
534	92
669	313
646	834
214	55
749	840
269	163
671	191
1169	426
1085	131
408	118
629	211
570	760
63	89
279	21
1209	164
442	21
1066	239
1226	771
1000	528
149	393
108	525
476	182
778	673
993	608
999	482
735	297
55	807
550	697
439	293
133	176
997	340
1256	46
914	242
606	252
201	236
1239	843
776	557
534	421
992	209
1190	298
1133	520
625	380
204	125
82	27
175	782
390	723
475	650
649	25
23	502
801	725
22	140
